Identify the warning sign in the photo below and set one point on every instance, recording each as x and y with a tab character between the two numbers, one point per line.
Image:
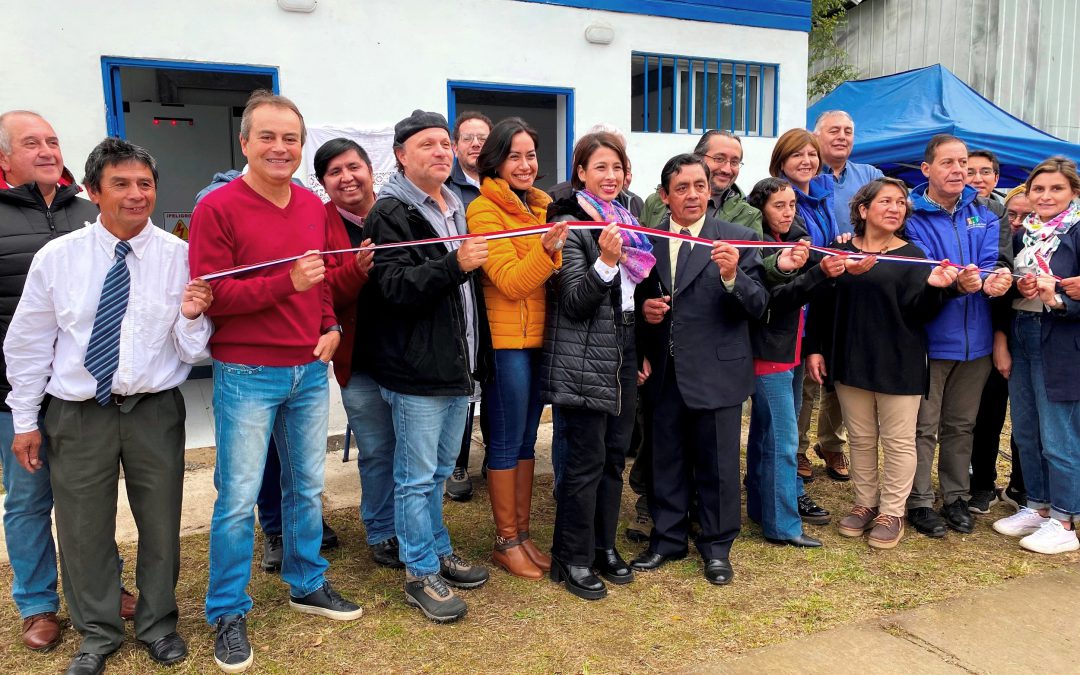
178	223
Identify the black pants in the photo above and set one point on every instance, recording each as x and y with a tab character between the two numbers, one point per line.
466	439
986	437
694	449
590	491
640	478
87	445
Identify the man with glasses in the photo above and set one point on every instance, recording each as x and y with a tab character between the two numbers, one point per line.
983	173
723	153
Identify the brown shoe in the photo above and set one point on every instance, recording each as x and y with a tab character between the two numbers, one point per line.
509	554
856	523
836	464
41	632
887	531
127	605
523	495
805	469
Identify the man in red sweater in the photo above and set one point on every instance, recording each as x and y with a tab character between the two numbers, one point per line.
275	333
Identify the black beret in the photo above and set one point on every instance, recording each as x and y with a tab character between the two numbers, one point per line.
417	122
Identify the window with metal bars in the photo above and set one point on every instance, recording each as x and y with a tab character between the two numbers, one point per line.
681	94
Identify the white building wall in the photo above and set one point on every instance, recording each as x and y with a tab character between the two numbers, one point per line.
370	63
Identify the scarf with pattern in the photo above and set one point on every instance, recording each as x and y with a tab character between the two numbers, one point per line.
1041	239
638	259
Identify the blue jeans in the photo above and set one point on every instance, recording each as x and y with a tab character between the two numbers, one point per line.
28	527
515	407
372	425
772	487
1045	431
269	499
427	431
250	403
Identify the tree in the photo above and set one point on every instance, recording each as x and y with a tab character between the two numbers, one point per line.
827	17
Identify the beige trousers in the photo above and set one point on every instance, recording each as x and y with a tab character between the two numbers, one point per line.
871	417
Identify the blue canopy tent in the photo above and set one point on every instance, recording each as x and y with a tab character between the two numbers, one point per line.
897	114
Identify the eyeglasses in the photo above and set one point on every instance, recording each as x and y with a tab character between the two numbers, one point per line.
734	162
469	138
1016	216
985	173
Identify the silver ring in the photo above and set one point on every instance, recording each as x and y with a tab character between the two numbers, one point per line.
559	245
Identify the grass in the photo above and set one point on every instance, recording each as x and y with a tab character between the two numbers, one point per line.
664	621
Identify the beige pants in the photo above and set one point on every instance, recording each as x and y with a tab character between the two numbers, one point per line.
872	417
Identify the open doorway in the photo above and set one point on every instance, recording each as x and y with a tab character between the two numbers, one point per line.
549	110
188	116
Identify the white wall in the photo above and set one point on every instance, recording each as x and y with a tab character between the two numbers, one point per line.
371	63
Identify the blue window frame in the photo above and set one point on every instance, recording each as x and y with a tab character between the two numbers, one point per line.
688	94
566	96
782	14
114	101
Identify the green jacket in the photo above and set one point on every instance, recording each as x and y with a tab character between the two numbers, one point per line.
730	206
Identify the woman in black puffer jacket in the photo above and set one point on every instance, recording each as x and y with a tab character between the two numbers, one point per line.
589	367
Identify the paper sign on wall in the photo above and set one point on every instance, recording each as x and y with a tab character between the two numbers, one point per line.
177	222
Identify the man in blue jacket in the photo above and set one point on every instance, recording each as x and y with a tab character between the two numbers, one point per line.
948	222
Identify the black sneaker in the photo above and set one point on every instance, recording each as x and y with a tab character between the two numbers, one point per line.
982	500
926	521
326	602
461	574
385	553
1014	498
640	529
329	537
459	485
958	516
272	553
434	598
811	513
232	651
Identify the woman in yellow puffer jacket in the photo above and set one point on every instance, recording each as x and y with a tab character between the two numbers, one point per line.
513	283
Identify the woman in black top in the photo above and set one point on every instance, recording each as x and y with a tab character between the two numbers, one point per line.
867	339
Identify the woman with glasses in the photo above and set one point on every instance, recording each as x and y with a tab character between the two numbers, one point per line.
1044	386
589	366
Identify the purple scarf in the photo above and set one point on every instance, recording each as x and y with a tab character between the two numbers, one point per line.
638	259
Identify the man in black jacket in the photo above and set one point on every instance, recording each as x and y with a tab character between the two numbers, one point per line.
696	338
38	203
431	335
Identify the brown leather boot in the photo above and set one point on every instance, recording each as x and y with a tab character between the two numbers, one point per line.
836	464
525	470
41	632
509	554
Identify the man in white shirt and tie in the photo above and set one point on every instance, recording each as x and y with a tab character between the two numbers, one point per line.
108	326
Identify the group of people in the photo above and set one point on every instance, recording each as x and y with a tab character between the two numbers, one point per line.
910	334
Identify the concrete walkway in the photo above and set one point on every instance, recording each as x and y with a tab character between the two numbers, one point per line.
1027	625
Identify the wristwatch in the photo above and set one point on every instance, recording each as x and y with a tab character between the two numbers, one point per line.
1059	302
336	328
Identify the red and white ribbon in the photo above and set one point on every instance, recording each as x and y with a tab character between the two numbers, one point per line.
587	225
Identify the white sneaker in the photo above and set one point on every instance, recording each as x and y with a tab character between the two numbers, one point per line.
1024	522
1051	538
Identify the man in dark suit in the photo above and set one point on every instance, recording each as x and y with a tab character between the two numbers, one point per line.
696	341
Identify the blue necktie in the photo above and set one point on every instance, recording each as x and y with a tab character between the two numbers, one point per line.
103	352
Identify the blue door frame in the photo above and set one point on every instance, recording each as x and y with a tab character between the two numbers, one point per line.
114	98
451	106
